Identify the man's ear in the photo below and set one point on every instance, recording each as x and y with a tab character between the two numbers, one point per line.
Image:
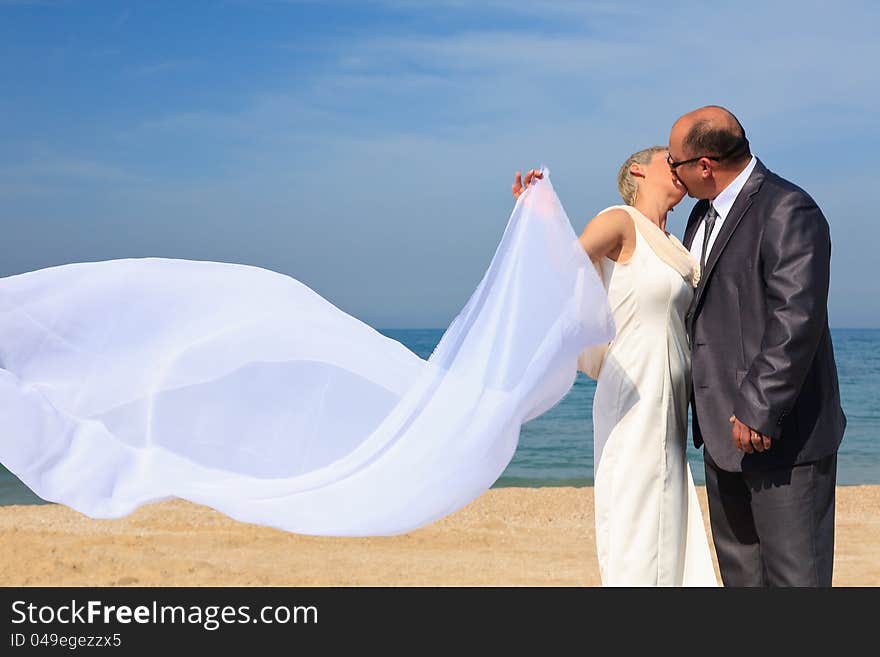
705	168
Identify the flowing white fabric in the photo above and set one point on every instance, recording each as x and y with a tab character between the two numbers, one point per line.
136	380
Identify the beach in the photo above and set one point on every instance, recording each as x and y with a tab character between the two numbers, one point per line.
506	537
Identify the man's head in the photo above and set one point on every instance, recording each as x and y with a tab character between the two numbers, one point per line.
707	149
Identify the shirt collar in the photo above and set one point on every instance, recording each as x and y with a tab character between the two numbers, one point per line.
724	201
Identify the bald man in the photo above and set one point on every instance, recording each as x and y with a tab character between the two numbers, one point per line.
765	399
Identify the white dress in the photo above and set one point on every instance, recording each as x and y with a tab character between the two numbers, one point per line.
649	529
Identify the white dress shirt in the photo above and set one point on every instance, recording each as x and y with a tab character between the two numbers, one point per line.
722	204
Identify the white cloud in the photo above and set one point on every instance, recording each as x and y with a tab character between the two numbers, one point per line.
364	162
162	66
56	166
30	3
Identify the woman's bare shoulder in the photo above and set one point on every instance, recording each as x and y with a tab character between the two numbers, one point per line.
618	211
612	217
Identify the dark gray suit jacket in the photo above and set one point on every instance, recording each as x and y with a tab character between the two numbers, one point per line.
758	327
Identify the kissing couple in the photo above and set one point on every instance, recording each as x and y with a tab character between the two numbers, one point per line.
135	380
733	320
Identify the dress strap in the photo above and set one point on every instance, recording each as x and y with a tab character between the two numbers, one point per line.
666	246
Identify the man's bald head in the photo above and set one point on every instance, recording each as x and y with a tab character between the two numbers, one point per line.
713	131
707	150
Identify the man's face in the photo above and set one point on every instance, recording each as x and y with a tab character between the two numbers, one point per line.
685	176
687	169
687	173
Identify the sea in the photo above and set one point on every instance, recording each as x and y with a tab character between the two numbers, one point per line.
556	449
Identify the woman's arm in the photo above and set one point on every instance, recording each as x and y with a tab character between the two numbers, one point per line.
609	234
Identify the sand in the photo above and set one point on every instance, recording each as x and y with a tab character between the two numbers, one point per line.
507	537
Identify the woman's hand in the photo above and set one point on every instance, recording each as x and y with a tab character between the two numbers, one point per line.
519	185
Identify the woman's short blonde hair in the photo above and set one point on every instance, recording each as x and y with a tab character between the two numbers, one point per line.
626	183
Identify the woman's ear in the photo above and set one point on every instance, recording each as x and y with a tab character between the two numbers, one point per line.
635	169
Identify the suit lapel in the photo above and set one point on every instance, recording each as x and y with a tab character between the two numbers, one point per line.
740	206
693	222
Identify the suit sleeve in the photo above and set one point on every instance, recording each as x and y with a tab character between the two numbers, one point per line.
796	260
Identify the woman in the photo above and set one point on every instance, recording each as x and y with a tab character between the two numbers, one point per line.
649	529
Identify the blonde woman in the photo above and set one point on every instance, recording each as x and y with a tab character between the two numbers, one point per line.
649	529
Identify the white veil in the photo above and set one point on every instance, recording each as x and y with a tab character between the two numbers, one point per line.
129	381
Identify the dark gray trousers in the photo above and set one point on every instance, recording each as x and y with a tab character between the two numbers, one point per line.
773	528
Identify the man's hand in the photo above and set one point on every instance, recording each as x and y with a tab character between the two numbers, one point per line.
519	185
747	439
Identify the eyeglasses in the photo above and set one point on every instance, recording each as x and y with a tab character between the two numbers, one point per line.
742	145
674	165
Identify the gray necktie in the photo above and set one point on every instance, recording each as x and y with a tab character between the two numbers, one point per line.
709	221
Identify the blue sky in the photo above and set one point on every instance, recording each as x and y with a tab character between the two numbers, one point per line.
367	148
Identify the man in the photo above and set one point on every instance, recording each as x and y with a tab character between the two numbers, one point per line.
765	398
